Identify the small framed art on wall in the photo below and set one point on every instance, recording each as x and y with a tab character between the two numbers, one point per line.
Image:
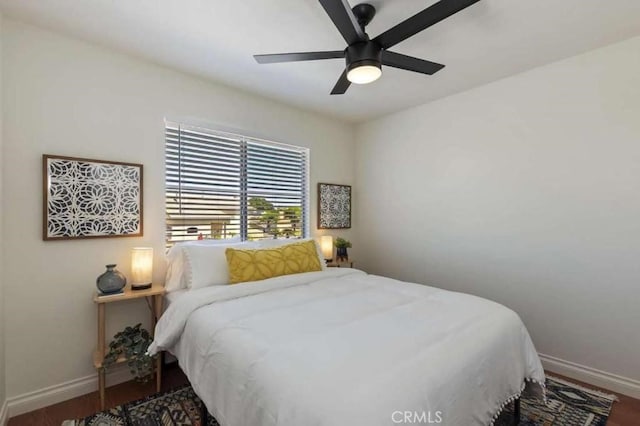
85	198
334	206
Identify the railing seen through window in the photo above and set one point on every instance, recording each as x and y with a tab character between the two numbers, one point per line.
221	185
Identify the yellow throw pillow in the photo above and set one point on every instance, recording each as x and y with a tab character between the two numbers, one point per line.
255	265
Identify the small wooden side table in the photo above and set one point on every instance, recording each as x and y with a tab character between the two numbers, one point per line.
340	264
155	294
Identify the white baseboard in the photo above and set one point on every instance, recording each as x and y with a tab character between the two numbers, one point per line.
54	394
598	378
4	413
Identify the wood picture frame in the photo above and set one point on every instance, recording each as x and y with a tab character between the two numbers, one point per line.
86	198
334	206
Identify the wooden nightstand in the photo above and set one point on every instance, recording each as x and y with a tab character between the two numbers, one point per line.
340	264
155	294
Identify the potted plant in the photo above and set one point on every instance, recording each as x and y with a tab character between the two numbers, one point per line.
132	344
341	249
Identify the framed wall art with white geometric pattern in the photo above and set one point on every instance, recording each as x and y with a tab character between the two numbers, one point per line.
334	206
90	198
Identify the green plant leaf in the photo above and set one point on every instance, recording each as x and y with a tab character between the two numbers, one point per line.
132	342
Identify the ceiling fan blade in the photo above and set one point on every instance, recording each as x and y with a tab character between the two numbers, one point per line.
340	13
410	63
342	85
421	20
295	57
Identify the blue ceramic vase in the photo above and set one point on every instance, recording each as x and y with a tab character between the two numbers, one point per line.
112	281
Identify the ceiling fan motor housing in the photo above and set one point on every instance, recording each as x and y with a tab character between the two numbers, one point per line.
365	53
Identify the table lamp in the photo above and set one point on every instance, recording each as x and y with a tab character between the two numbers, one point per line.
326	245
141	268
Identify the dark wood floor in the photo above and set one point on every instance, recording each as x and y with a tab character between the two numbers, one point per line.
626	412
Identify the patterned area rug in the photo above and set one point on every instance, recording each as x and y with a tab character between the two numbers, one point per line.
178	407
569	405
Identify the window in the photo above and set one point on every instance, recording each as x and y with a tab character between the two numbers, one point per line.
221	185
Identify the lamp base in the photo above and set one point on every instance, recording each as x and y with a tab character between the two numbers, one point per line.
136	287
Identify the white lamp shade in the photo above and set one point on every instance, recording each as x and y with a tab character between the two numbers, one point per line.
141	266
326	245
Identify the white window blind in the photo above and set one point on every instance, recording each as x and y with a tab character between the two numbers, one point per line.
221	185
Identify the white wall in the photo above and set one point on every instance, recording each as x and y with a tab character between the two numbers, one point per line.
2	271
525	191
67	97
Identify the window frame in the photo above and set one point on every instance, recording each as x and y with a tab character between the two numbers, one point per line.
244	141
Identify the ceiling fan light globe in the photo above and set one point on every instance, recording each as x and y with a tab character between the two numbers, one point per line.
364	74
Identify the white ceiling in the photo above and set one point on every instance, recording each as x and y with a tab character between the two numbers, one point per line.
216	39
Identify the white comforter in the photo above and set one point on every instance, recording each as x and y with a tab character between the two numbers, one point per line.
341	347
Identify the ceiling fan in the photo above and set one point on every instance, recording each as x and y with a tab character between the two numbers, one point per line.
365	56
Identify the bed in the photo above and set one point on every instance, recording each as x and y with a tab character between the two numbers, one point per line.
341	347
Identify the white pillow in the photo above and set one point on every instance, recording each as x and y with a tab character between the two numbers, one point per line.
175	277
283	241
207	265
